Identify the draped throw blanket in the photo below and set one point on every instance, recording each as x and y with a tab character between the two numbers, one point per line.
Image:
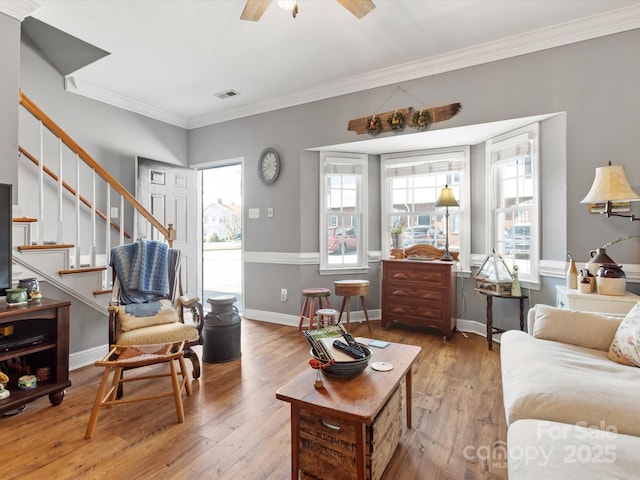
145	270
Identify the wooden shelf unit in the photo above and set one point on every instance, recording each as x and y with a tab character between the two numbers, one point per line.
51	319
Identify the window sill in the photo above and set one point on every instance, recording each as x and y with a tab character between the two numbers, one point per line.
354	270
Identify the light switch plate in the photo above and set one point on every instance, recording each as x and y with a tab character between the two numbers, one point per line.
270	212
254	213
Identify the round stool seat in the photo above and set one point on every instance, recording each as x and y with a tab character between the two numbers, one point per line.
308	308
327	316
351	287
316	292
348	289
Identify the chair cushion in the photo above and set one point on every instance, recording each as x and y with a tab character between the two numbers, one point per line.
168	332
140	315
625	347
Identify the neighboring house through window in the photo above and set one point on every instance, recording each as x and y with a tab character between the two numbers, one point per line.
343	239
412	182
513	200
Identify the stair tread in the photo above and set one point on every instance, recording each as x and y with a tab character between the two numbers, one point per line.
71	271
46	246
24	219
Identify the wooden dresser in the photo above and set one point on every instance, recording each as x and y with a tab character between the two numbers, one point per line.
420	293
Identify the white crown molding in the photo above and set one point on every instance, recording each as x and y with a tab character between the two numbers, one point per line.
616	21
18	9
95	92
571	32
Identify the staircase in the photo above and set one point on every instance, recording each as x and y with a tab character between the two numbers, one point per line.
76	262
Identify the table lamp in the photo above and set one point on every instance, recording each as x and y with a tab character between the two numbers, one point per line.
446	199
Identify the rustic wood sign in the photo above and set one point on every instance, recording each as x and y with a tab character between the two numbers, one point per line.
437	114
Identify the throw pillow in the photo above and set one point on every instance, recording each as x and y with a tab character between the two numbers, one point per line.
625	347
139	315
585	329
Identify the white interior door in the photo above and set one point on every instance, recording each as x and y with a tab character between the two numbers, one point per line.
169	192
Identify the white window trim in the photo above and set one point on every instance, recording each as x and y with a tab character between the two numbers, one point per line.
465	198
361	267
533	131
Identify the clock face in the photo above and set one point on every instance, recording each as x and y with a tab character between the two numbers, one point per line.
269	166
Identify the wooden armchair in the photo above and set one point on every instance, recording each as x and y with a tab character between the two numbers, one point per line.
162	319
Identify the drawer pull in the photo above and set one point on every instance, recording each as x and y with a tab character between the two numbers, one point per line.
330	425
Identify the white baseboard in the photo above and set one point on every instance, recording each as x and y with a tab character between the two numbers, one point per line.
87	357
475	327
292	320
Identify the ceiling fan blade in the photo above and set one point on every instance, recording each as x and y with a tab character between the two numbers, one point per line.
254	9
358	7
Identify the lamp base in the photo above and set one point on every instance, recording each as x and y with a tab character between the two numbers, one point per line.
446	257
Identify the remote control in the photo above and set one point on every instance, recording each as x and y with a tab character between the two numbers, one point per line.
349	338
349	350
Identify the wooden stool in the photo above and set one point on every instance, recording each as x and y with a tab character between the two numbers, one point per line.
348	289
134	356
327	316
308	308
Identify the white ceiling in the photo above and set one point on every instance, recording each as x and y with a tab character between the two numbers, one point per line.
168	59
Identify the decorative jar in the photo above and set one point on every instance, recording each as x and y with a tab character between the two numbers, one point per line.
31	285
611	280
16	295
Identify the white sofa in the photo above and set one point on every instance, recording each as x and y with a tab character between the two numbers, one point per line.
571	411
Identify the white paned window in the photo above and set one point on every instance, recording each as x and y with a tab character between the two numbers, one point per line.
343	239
411	184
513	200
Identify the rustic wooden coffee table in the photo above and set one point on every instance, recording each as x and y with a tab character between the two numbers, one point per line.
351	427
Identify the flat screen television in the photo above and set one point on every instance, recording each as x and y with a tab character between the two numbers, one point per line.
6	225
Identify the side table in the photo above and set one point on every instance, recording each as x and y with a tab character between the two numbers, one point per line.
490	328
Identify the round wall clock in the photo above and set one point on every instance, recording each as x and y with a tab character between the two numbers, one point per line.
269	166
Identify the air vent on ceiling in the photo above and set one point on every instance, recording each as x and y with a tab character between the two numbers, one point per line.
227	94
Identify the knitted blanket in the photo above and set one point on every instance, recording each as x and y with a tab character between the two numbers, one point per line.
142	269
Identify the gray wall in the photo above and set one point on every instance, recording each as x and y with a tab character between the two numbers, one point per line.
593	82
9	81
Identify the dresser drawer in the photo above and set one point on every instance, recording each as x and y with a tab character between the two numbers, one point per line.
404	292
398	310
417	273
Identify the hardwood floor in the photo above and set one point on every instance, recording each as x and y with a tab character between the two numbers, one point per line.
235	428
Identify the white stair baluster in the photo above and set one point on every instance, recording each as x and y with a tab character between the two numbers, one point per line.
78	229
41	188
93	218
59	228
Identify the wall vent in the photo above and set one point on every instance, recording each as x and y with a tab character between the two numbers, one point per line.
227	94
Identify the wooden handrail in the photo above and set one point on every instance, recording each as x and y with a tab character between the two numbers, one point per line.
71	190
167	232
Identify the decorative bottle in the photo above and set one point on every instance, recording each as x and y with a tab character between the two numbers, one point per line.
572	273
516	291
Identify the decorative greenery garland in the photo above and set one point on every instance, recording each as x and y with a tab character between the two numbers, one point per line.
374	125
396	121
421	119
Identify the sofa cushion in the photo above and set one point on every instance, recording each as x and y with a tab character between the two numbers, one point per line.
140	315
584	329
625	347
549	380
542	449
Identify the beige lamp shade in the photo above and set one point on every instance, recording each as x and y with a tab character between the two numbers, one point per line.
610	185
446	198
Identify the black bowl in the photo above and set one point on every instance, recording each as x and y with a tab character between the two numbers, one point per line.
348	369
